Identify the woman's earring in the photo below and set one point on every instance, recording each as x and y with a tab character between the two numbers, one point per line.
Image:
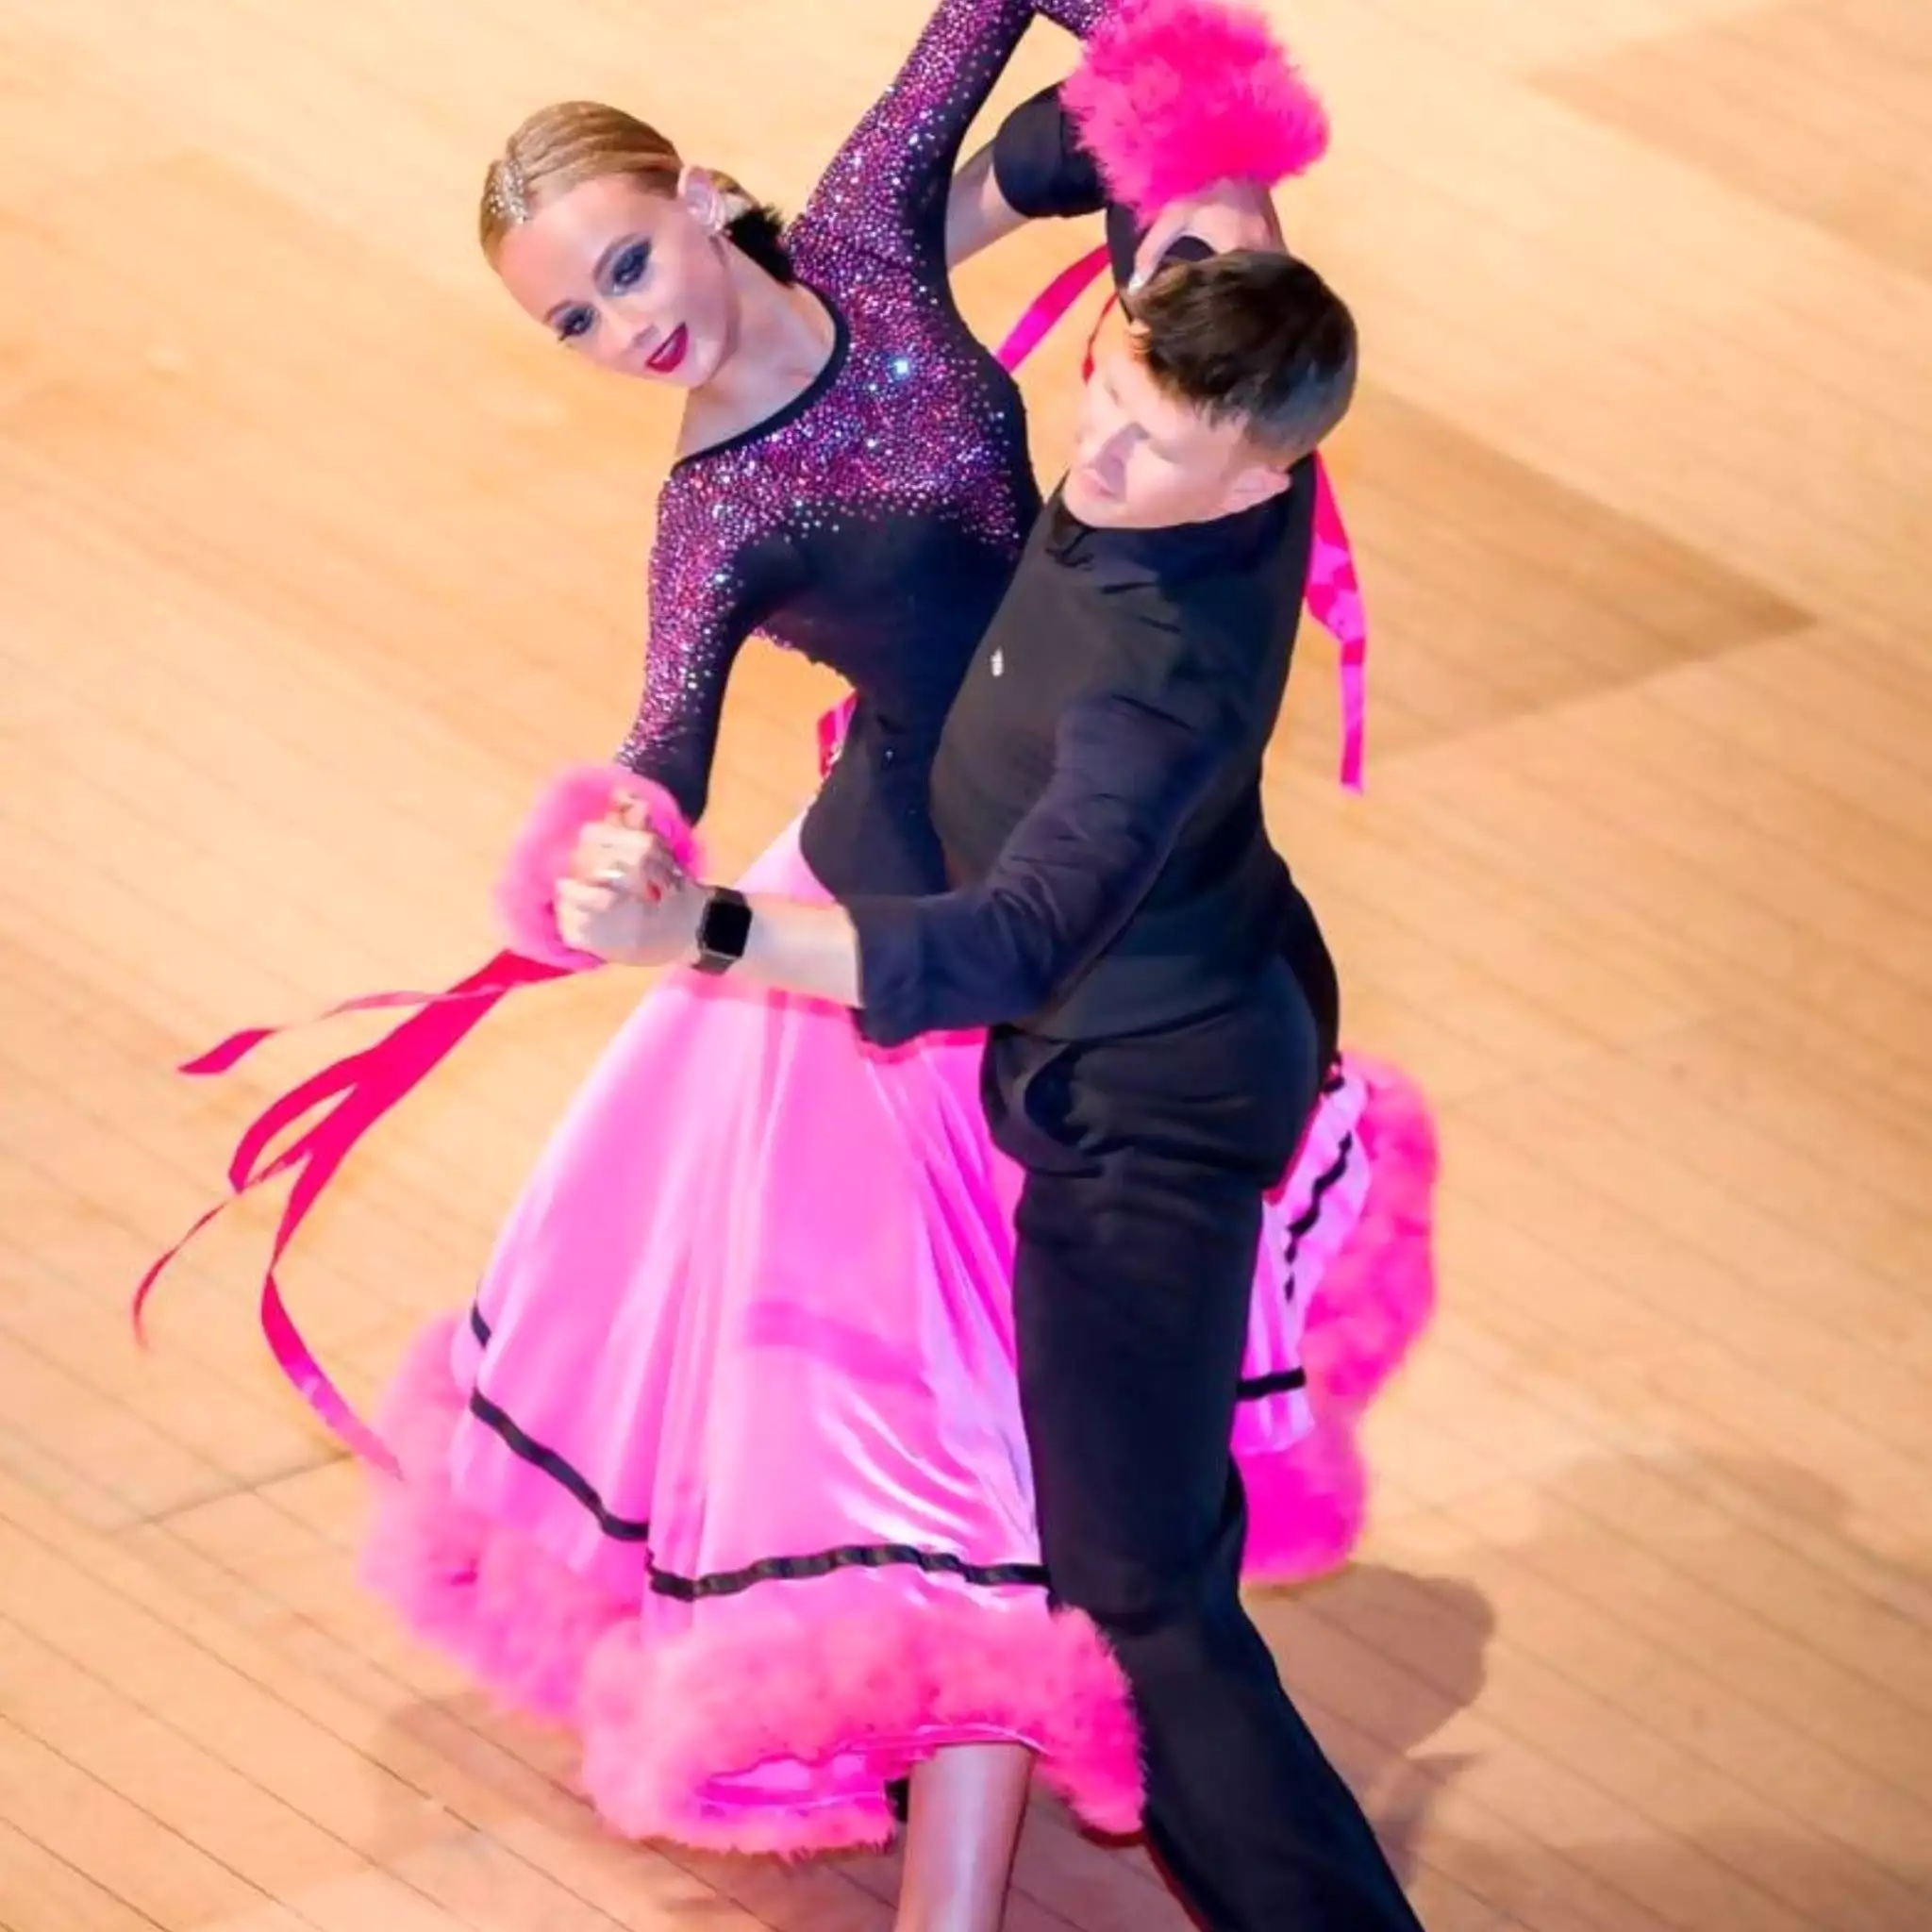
713	216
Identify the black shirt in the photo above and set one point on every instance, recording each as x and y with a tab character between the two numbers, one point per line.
1098	788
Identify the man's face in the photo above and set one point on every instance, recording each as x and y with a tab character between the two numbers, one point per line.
1144	461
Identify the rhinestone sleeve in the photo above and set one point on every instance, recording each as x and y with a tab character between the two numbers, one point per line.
708	595
892	175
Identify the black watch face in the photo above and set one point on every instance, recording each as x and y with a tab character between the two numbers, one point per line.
725	928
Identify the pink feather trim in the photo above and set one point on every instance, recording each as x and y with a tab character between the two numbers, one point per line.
510	1613
1308	1506
1308	1502
525	892
888	1686
1173	95
896	1676
1374	1299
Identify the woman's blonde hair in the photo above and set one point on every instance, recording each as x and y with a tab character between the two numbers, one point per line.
562	146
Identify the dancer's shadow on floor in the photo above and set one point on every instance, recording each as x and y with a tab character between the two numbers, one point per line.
1379	1658
1382	1661
1748	1672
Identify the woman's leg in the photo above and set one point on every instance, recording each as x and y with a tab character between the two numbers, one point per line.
967	1804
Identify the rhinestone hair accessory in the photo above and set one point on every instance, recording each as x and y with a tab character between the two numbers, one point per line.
506	192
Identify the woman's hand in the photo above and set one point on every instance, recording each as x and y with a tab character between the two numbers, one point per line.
627	900
621	850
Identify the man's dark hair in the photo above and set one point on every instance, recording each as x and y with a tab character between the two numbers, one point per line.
1254	338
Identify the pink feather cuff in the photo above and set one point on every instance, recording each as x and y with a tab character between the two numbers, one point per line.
1173	95
526	891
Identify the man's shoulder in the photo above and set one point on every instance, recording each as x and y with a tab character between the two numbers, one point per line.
1219	629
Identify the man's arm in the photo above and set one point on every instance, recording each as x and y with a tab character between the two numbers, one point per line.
1127	776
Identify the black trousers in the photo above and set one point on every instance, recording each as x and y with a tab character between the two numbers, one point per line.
1146	1162
1309	958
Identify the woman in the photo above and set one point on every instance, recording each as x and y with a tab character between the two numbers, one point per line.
725	1464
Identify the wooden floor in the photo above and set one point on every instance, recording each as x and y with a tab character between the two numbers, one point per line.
316	560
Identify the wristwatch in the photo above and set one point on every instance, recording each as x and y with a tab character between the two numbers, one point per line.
723	927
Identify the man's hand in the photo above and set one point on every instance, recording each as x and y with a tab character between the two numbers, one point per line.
1226	215
625	930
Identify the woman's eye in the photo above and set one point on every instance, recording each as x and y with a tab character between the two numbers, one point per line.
575	324
629	266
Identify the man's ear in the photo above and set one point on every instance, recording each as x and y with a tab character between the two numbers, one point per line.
1254	482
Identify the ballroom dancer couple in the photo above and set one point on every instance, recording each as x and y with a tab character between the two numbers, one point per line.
738	1462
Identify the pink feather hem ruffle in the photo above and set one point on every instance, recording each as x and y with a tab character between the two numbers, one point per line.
519	1622
676	1730
1307	1503
874	1694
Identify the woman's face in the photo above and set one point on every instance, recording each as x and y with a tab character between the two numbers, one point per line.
635	279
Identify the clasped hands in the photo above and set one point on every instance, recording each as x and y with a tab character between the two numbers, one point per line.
626	899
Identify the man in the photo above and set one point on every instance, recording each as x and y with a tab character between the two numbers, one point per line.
1118	923
1038	169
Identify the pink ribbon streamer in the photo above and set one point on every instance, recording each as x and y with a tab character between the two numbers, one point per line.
1045	312
363	1087
1334	601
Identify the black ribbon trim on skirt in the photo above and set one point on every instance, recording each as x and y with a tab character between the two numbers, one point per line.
852	1557
1326	1183
623	1529
1255	1387
731	1582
